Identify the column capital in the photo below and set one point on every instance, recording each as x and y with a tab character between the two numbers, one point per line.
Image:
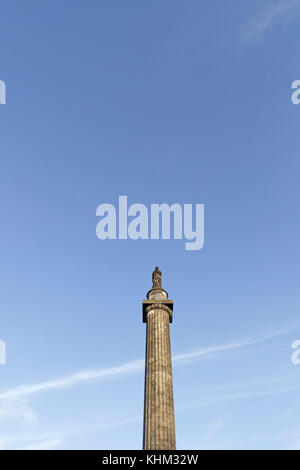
149	305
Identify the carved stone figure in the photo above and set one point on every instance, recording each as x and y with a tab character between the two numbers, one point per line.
156	277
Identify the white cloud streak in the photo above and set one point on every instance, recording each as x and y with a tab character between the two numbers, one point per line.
224	347
74	379
240	396
13	402
55	438
278	10
44	445
124	369
11	408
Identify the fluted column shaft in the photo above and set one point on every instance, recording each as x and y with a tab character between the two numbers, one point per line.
159	421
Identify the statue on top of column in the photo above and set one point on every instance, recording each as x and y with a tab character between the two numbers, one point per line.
156	277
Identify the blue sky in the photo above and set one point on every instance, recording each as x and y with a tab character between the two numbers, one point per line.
164	102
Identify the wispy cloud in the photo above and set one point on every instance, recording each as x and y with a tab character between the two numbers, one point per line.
12	408
277	11
241	396
44	445
39	441
288	439
224	347
14	402
124	369
293	438
74	379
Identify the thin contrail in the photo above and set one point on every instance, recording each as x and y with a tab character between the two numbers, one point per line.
127	368
258	25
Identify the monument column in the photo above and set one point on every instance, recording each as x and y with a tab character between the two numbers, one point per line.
159	420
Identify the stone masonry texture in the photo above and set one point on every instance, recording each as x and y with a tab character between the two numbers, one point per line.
159	420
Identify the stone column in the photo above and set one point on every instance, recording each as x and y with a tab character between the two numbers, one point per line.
159	421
